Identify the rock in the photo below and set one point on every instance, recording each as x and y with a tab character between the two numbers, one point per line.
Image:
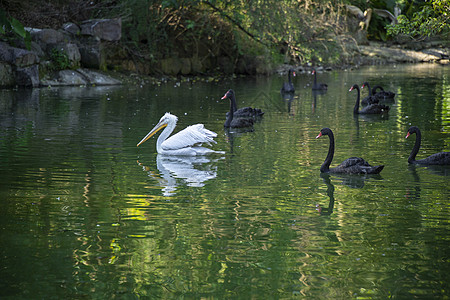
397	55
6	75
91	54
18	67
171	66
17	56
79	77
104	29
250	65
361	37
185	66
440	53
196	65
96	78
72	52
65	77
23	58
28	76
46	38
6	53
72	28
35	48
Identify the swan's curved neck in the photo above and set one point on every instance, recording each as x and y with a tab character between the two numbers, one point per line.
164	135
326	164
289	76
370	91
356	108
415	149
315	78
233	103
231	113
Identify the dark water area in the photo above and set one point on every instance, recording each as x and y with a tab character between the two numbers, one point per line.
84	213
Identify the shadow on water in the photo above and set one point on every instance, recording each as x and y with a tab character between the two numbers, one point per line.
413	190
316	93
173	171
232	133
353	181
356	181
288	98
326	211
441	170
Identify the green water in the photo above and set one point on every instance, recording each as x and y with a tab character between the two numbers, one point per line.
84	213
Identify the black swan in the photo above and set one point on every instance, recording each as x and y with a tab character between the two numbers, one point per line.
288	87
245	112
369	99
246	119
441	158
370	109
318	86
382	94
352	165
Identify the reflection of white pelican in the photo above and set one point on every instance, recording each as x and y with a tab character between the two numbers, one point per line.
186	168
186	142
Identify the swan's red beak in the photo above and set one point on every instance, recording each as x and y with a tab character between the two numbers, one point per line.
313	72
293	73
320	134
224	97
407	135
351	89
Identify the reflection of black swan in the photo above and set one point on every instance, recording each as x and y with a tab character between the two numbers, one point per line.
318	86
441	158
370	109
288	87
242	112
239	118
352	165
369	99
326	211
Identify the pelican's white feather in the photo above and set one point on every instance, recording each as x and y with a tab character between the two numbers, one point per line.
186	142
190	136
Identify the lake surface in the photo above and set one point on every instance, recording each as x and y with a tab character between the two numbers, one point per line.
84	213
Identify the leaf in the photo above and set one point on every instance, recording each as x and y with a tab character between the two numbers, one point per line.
190	24
18	27
27	40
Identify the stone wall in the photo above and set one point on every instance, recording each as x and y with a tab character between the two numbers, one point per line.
83	46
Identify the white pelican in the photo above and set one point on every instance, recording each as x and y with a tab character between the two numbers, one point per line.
186	142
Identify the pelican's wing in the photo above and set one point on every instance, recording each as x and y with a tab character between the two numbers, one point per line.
192	135
356	11
386	14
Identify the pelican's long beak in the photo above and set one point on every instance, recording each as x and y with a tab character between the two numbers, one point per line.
320	134
155	129
407	135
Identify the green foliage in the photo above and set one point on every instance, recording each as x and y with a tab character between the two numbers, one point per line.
432	19
9	25
59	60
302	30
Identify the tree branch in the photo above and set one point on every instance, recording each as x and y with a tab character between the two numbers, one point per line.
235	23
